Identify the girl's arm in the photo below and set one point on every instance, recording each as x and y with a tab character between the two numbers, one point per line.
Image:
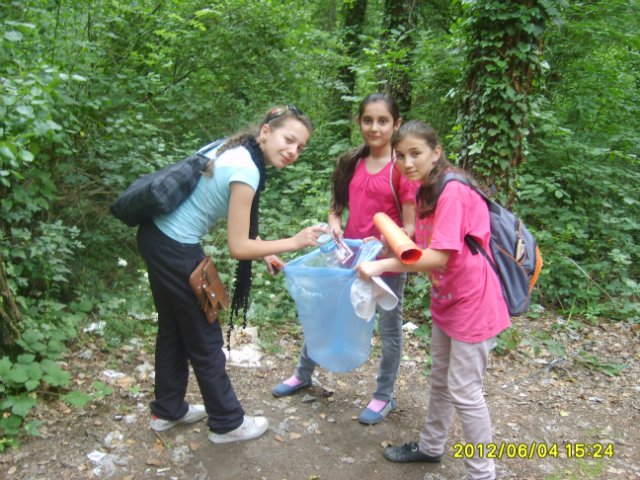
335	223
243	248
273	263
430	260
409	218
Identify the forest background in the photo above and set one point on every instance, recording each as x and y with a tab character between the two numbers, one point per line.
540	97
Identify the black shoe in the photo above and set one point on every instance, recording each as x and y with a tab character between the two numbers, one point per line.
409	453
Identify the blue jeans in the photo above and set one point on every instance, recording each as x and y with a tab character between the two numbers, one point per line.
390	330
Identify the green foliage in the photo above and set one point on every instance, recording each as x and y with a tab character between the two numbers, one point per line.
503	41
418	294
592	362
507	340
94	96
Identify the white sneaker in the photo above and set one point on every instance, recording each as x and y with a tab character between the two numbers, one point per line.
195	414
252	427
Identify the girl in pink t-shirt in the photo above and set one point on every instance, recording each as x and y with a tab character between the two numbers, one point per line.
467	305
364	181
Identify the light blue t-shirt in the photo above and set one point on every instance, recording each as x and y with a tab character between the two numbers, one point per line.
210	200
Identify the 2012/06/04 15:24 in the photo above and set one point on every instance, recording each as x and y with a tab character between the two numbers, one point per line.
540	450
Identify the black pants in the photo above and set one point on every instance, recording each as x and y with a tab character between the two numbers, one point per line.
184	335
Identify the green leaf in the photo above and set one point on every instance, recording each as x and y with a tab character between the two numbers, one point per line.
31	384
17	376
5	367
97	385
32	427
26	155
26	359
13	36
24	405
77	399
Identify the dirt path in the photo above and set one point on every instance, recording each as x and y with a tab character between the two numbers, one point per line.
566	405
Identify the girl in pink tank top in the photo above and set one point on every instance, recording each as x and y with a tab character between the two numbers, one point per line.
365	182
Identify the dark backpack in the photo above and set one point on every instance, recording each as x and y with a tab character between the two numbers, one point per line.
515	251
163	191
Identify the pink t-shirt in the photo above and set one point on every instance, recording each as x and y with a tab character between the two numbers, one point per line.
370	194
466	296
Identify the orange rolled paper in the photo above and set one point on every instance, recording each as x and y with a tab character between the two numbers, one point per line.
407	251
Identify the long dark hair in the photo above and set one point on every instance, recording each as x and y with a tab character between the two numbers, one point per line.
346	164
275	117
429	192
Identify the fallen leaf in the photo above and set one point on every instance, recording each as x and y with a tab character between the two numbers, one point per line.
294	436
12	470
323	416
318	432
354	417
279	438
97	423
158	447
128	477
193	446
386	444
124	382
153	461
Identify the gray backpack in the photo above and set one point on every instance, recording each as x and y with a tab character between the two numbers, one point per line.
515	251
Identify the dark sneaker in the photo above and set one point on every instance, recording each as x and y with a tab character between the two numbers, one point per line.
409	452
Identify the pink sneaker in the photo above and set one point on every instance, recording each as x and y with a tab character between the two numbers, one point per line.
252	427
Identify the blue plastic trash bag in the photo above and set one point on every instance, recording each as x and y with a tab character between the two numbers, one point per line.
336	338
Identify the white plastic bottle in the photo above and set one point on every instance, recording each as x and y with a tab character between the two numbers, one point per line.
327	246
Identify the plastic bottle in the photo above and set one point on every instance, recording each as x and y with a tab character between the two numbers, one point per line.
327	246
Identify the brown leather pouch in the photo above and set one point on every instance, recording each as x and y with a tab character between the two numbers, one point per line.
209	290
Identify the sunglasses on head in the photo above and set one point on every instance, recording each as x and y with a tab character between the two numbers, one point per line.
281	111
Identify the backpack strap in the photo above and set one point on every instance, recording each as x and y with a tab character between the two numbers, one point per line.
472	243
395	185
475	247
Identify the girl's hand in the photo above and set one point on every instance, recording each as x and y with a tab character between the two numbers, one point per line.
307	237
366	270
337	232
386	249
274	264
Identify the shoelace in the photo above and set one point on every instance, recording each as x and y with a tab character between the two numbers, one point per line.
409	447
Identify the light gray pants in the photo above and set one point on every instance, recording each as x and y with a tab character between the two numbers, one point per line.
390	330
456	385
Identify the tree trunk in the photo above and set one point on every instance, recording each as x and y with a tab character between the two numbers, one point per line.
397	16
10	316
504	59
354	15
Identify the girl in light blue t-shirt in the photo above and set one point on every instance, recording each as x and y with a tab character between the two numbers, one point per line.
170	245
